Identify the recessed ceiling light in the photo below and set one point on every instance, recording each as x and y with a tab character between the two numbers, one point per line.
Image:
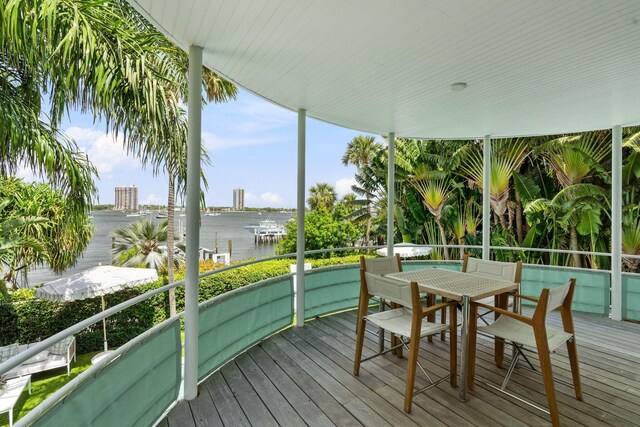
457	87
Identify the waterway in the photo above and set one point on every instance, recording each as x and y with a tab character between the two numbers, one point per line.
227	226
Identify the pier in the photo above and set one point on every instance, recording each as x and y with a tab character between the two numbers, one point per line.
268	236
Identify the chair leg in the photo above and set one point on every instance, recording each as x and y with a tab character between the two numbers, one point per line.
453	345
431	300
473	335
394	339
360	327
414	348
547	374
500	302
575	369
443	320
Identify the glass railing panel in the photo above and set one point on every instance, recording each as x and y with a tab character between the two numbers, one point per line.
331	289
592	294
631	296
134	389
232	322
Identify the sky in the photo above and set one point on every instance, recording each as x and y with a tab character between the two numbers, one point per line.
252	144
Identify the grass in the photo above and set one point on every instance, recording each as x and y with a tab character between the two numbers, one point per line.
44	385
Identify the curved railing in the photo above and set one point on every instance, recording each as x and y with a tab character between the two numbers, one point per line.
141	380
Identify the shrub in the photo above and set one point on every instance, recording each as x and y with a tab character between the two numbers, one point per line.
24	318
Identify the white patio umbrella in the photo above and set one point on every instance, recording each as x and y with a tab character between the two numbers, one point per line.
95	282
407	250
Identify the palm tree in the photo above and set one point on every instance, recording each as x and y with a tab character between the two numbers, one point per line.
106	58
436	189
507	156
359	153
321	196
140	244
573	159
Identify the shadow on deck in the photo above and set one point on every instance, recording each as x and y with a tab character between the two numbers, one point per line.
303	376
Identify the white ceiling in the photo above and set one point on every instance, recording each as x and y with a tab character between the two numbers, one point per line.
532	67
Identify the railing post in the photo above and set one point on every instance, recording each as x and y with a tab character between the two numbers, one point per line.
616	223
391	194
486	197
302	116
194	111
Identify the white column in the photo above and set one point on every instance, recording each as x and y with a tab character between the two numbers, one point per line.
486	197
302	116
616	224
391	193
194	130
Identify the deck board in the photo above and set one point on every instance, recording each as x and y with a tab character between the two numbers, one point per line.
304	376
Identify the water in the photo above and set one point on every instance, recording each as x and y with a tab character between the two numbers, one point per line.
227	226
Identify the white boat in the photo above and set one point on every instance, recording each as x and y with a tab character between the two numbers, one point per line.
267	226
162	215
133	215
212	214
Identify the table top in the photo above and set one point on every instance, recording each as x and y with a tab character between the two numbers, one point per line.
454	284
12	391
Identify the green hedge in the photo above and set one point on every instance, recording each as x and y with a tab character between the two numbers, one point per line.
26	319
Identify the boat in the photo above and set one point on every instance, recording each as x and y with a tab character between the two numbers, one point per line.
266	226
133	215
267	231
162	215
212	214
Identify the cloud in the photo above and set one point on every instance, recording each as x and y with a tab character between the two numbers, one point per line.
262	116
104	150
27	174
154	199
343	186
267	199
214	142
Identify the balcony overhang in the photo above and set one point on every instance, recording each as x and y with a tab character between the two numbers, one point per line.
542	67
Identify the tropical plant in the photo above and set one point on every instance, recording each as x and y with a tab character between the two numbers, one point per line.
324	229
435	188
106	58
507	156
321	196
359	153
140	244
41	227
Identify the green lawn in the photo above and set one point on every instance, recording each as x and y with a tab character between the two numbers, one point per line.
45	384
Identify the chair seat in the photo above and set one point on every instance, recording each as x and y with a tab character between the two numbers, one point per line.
398	321
516	331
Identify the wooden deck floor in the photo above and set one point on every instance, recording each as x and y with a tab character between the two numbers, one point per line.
303	376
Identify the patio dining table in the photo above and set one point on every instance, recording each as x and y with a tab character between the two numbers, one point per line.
462	287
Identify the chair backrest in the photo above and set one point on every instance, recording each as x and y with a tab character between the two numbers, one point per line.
557	296
509	271
390	264
392	290
551	299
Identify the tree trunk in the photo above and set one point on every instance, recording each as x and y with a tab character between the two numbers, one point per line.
574	247
443	237
503	221
519	230
368	235
171	242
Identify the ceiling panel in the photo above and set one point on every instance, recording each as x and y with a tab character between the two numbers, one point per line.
382	66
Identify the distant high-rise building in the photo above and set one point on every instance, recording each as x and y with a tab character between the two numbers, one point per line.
126	198
238	199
